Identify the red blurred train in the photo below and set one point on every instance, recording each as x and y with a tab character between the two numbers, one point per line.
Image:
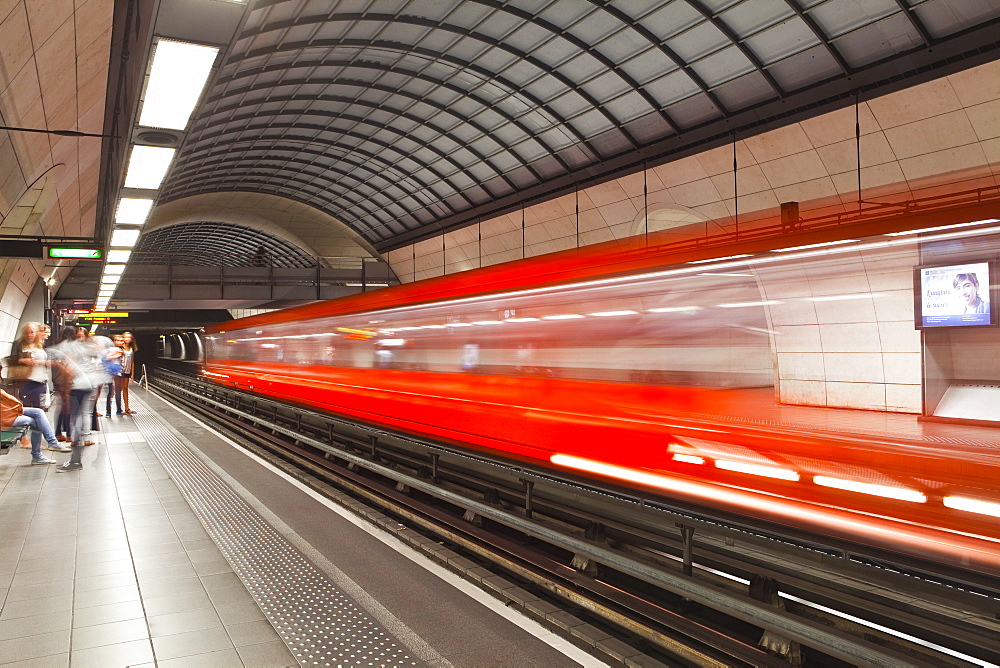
615	365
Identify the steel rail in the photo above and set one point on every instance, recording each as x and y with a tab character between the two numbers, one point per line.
833	643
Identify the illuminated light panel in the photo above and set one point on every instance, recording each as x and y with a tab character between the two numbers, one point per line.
362	285
808	246
176	79
720	259
113	269
565	316
111	280
521	320
745	304
119	255
757	469
943	227
488	322
901	493
840	298
991	508
459	324
689	459
673	309
434	327
123	238
392	342
147	165
132	211
611	314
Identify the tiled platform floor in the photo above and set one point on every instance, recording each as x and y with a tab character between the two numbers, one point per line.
110	567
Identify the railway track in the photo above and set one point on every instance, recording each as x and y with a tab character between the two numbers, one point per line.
638	578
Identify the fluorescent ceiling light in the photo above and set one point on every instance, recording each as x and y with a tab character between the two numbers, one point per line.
132	211
147	165
900	493
123	238
113	269
826	243
488	322
110	281
611	314
176	79
566	316
119	255
521	320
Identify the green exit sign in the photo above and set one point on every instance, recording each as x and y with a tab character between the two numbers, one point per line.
67	253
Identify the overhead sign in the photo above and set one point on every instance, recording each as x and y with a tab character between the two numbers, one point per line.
77	311
75	253
104	321
105	314
16	248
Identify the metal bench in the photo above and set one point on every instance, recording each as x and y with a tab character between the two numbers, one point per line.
10	437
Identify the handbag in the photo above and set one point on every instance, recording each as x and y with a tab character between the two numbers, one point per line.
16	370
10	409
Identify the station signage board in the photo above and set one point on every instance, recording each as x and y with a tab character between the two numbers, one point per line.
105	314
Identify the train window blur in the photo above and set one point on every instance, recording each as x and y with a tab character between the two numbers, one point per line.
659	331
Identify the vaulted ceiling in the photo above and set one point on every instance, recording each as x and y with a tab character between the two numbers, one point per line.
404	119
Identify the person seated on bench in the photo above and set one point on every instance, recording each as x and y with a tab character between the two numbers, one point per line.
16	415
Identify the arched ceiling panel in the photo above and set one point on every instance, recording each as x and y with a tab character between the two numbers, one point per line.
405	118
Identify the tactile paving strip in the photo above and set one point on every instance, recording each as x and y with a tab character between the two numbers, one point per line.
320	624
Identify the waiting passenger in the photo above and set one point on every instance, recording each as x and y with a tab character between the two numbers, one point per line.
129	350
16	414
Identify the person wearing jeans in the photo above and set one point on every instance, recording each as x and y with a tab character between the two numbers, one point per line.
35	418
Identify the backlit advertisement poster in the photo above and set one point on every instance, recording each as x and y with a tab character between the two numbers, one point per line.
955	295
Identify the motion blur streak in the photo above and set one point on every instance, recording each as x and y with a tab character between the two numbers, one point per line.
900	493
972	505
756	469
835	519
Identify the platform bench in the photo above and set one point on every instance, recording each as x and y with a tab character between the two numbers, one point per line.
10	437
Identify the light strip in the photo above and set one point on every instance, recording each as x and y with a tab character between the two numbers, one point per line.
123	238
119	255
147	165
611	314
745	304
521	320
566	316
176	79
720	259
673	309
689	459
113	269
900	493
808	246
757	469
841	298
132	211
991	508
942	227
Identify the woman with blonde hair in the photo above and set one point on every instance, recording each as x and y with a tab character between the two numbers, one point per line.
32	354
127	358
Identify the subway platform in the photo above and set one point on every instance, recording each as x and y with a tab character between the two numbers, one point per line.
173	547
